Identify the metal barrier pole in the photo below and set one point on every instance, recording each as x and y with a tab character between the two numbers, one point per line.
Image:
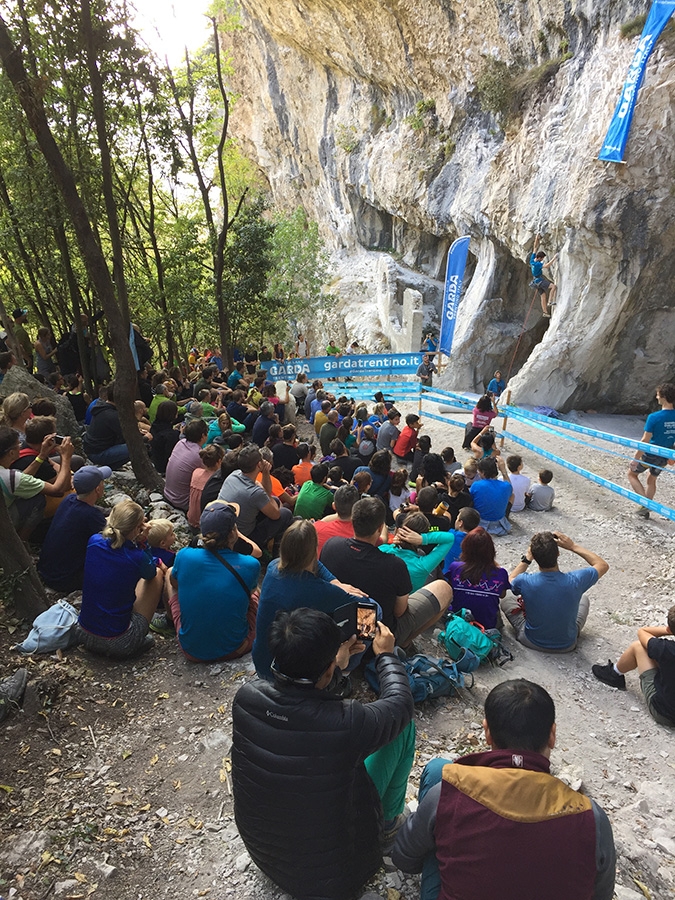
505	419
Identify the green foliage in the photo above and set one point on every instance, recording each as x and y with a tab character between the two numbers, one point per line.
248	258
346	138
298	274
424	116
494	86
633	27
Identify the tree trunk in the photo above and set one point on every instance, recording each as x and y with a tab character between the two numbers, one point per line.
18	572
94	260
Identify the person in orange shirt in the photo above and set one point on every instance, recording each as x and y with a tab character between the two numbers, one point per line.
278	489
302	472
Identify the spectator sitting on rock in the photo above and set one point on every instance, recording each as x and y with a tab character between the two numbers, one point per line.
211	457
122	586
103	441
183	461
164	435
552	607
653	655
24	494
336	762
499	818
212	601
16	411
64	548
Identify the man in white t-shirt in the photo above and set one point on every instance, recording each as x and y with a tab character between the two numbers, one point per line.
301	347
519	483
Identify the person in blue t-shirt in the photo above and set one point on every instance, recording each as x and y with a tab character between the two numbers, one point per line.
496	385
551	608
547	289
210	590
491	498
660	431
77	518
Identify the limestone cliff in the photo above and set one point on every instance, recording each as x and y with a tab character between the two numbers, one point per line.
401	124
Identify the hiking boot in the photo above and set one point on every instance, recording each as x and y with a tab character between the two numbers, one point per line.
643	512
12	690
607	675
546	315
160	625
391	829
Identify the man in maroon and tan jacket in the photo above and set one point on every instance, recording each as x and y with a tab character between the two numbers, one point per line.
498	824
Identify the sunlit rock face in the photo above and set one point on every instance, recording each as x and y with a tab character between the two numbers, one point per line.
371	115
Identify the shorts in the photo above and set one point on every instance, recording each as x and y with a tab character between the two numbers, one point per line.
655	464
245	647
422	607
542	285
122	646
649	690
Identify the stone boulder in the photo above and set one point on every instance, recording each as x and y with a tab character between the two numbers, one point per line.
18	380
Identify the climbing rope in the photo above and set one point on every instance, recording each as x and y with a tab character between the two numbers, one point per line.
520	336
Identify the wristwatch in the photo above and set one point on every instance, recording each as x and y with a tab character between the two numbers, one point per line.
525	560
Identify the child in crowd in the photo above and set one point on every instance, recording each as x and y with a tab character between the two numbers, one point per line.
467	519
275	436
399	492
302	472
470	472
404	448
211	456
540	497
363	481
483	445
449	461
653	655
366	441
422	447
520	483
161	538
458	496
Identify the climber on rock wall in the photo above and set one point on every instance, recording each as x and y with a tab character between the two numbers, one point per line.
547	289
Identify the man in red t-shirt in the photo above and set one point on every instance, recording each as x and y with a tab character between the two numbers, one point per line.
339	525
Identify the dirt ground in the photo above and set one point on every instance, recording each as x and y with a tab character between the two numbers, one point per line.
115	778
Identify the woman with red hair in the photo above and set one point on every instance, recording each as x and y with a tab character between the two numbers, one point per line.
478	583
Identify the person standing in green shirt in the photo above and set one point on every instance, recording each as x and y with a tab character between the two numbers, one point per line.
332	350
314	496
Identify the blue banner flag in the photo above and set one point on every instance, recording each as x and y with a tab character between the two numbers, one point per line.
349	365
616	139
454	276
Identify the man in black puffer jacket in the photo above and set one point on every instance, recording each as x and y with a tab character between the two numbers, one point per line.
320	782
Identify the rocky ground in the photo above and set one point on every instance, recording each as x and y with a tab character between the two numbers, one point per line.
115	778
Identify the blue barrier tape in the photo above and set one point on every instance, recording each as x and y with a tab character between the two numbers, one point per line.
525	415
653	505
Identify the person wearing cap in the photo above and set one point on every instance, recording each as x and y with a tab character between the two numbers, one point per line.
20	317
61	563
210	587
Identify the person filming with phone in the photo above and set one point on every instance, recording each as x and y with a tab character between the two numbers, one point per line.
551	606
319	783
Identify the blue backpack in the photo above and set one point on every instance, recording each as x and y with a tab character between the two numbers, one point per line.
428	677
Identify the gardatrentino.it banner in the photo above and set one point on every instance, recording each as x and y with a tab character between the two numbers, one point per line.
349	365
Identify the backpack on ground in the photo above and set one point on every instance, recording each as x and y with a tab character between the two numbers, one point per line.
462	638
54	629
428	677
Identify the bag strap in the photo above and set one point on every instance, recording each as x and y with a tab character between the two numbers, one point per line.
233	571
457	680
